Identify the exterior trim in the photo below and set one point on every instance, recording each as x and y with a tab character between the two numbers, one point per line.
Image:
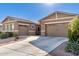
59	12
59	18
58	22
45	30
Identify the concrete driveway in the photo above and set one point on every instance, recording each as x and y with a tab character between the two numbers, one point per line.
38	46
48	43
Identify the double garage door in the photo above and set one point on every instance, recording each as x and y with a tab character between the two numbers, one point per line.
60	29
23	30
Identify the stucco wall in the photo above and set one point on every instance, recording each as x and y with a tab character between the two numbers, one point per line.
31	31
60	18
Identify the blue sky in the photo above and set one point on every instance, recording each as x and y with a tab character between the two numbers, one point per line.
34	11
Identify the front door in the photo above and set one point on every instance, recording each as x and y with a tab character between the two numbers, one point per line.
38	30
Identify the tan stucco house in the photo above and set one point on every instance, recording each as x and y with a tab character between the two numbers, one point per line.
56	24
20	26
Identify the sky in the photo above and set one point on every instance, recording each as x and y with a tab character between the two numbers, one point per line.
35	11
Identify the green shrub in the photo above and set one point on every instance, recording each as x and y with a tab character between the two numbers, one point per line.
10	34
68	48
16	36
75	48
3	35
0	32
73	34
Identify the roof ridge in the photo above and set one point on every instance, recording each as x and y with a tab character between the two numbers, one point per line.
59	12
67	12
15	17
19	19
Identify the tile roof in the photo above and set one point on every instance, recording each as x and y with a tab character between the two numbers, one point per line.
59	12
19	19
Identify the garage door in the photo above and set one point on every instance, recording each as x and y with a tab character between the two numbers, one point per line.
23	30
57	29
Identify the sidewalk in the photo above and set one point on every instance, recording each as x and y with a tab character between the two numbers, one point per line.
22	48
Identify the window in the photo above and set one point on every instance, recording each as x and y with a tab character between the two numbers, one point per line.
5	27
9	27
12	26
32	26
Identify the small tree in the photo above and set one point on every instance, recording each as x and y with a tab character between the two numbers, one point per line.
73	34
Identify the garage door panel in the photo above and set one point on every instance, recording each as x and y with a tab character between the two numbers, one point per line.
57	29
23	30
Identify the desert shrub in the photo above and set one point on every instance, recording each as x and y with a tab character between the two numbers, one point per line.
0	32
75	48
16	36
73	34
68	47
10	34
3	35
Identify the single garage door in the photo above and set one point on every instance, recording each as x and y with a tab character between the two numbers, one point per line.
60	29
23	30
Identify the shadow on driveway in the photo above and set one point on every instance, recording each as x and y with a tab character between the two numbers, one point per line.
48	43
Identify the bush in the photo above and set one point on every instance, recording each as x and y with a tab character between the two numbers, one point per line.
10	34
68	48
3	35
73	34
0	32
16	36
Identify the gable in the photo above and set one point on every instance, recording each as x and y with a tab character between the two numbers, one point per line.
58	14
7	20
52	16
61	15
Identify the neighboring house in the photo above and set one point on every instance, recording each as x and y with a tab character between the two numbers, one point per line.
56	24
20	26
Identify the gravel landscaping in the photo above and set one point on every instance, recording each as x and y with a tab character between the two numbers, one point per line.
10	40
60	51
